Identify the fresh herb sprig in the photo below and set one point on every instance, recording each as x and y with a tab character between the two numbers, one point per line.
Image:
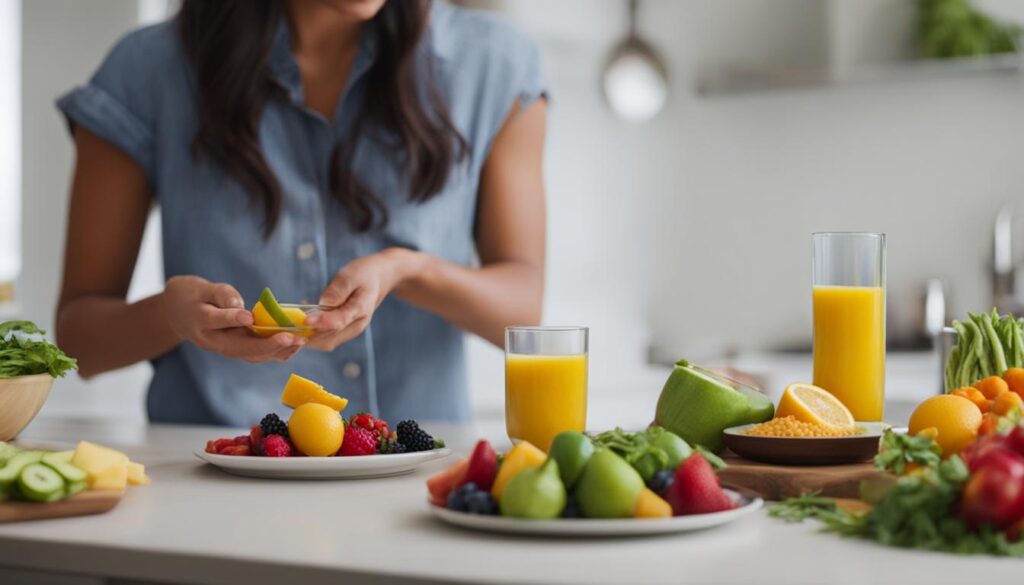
899	450
25	352
916	512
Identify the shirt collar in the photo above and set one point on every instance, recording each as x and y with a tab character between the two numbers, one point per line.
284	69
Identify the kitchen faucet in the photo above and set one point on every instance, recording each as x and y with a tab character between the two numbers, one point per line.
1004	272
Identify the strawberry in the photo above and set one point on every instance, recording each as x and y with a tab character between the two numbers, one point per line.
369	423
381	426
211	447
256	439
242	440
483	466
220	444
695	489
358	441
235	450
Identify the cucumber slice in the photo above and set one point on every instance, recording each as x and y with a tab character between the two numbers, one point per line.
9	473
58	457
7	451
76	488
40	483
70	473
274	309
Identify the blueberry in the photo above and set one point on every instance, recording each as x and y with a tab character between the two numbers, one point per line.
571	509
661	480
481	502
457	501
468	488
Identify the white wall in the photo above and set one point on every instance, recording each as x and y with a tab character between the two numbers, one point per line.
690	232
63	41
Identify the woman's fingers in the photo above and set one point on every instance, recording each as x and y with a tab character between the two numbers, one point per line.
240	344
338	290
216	318
225	296
329	340
358	305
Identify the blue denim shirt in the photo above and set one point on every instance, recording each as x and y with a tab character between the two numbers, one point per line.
409	363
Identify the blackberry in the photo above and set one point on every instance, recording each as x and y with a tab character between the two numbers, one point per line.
390	446
413	437
273	425
660	481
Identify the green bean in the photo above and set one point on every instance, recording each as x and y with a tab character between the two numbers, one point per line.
998	355
978	345
951	366
1018	343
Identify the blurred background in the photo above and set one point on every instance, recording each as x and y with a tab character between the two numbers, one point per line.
686	170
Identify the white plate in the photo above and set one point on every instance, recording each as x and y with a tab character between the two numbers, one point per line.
361	467
588	527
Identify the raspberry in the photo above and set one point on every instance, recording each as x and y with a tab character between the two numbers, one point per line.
276	446
358	441
413	437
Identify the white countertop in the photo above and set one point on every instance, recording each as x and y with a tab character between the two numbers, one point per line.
195	524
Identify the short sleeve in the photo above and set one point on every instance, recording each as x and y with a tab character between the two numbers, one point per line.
117	104
531	85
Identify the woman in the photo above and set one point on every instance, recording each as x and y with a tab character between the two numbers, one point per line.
380	157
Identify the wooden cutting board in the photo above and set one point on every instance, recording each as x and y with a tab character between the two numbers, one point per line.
83	504
777	482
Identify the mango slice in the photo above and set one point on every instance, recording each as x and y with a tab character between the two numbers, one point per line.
274	309
523	456
299	391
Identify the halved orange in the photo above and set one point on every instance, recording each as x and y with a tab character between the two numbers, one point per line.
811	404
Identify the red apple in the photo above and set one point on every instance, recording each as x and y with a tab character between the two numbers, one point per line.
1015	440
443	483
483	466
994	494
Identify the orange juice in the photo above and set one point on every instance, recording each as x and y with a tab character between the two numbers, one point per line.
849	347
545	395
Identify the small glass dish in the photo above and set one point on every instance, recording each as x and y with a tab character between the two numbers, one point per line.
292	310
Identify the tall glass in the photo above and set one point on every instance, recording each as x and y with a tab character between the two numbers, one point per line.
545	382
849	320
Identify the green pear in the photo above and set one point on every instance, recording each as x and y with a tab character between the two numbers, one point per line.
698	405
535	493
571	450
608	487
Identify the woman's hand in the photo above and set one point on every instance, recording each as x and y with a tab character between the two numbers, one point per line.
356	291
213	317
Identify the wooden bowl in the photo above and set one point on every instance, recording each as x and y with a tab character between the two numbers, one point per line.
20	401
806	451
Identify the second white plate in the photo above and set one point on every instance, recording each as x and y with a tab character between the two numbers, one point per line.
366	466
592	528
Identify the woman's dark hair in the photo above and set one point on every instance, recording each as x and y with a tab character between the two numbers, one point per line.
228	43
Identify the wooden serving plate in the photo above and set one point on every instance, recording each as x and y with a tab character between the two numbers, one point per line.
778	482
83	504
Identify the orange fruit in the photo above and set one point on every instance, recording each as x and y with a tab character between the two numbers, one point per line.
811	404
1014	378
955	418
992	386
975	396
1006	403
316	429
989	424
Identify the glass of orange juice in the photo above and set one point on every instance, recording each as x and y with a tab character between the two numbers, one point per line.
545	382
849	320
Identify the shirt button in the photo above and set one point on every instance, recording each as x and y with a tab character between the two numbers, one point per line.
306	251
351	370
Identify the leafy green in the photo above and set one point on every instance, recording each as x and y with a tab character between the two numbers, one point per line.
900	449
917	512
648	451
24	352
955	28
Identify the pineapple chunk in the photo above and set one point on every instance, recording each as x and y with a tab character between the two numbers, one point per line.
114	477
95	459
299	391
137	474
